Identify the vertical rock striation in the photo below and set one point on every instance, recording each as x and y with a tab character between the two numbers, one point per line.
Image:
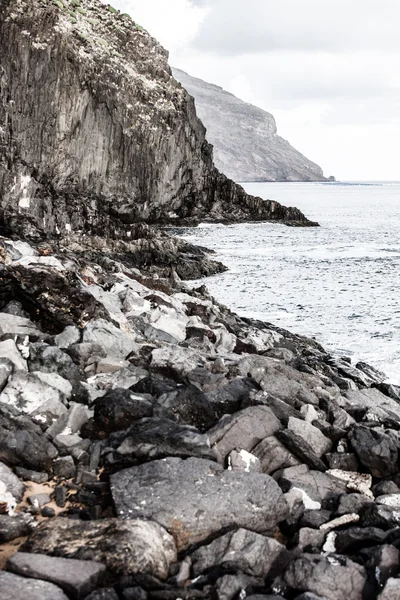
96	134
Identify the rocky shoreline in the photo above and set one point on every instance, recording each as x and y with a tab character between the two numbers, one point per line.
154	445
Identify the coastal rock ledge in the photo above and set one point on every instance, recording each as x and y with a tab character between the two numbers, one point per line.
96	134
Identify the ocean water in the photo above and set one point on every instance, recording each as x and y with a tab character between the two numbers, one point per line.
339	283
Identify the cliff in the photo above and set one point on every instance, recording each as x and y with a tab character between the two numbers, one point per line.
96	134
246	144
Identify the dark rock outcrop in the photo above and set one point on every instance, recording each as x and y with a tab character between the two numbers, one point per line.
246	144
95	133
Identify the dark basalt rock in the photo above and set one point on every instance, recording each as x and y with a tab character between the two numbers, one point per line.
195	499
118	408
375	450
355	538
155	438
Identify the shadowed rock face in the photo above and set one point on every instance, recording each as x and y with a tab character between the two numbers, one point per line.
96	134
246	144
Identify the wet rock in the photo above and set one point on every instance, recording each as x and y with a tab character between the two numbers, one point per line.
273	455
76	577
326	577
154	438
391	590
195	498
311	435
241	550
315	518
118	408
13	527
375	449
244	430
15	587
125	547
113	340
48	512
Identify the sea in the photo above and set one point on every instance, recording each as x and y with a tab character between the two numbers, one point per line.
338	283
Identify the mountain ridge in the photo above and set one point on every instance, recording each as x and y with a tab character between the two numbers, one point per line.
262	154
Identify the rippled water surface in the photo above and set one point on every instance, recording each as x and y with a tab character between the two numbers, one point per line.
339	282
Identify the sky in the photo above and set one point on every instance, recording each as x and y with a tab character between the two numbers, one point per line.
328	70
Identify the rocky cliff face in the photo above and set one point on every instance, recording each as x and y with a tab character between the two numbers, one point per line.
246	144
96	134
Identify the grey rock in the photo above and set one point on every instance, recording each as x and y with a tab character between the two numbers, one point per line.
316	485
176	361
261	155
71	335
6	370
13	527
50	359
64	467
15	587
111	365
352	503
301	448
384	560
29	475
326	577
308	537
232	586
373	399
65	442
27	393
154	438
354	539
103	594
18	326
188	405
243	430
242	550
385	487
196	498
82	352
391	590
70	422
345	461
76	577
378	515
39	500
281	381
22	442
273	455
9	350
125	547
375	450
15	308
311	435
11	481
115	342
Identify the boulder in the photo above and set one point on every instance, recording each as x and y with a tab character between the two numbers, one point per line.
241	550
175	361
243	430
11	482
76	577
13	527
71	335
195	499
318	486
391	590
375	449
9	350
29	394
154	438
190	406
113	340
370	398
301	448
118	408
125	547
15	587
18	326
273	455
311	435
326	577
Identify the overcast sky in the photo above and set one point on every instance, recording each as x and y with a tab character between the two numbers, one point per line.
328	70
